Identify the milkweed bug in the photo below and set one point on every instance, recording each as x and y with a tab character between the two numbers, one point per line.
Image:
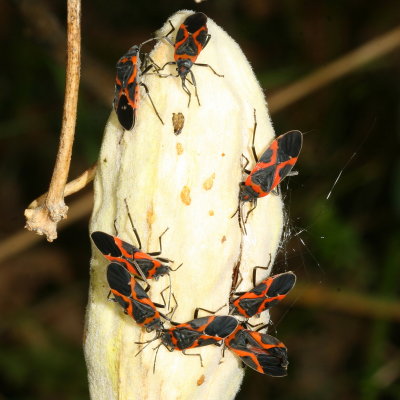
273	166
198	332
127	87
263	296
144	265
260	351
132	298
191	38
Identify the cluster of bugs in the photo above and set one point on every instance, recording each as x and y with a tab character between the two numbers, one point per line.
131	269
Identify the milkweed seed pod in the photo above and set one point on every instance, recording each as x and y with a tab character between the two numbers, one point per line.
189	184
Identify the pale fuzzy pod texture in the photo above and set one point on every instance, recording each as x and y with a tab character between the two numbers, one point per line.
188	183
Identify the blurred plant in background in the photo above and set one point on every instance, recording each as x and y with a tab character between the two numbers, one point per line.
341	328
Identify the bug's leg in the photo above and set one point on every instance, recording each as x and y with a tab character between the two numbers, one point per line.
167	63
195	355
260	267
166	36
208	37
151	101
140	272
222	354
115	227
132	225
172	311
237	210
257	326
242	221
155	357
239	281
186	90
245	165
196	311
149	66
176	269
157	253
253	149
250	211
147	342
142	276
209	66
195	86
109	295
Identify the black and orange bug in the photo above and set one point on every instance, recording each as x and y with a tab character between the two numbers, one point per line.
198	332
132	298
144	265
191	38
263	296
260	351
127	87
271	168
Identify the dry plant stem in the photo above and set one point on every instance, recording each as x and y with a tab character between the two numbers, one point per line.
24	240
352	61
277	101
71	187
44	218
189	184
47	28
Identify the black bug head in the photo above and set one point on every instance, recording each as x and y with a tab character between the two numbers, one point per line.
233	310
166	339
132	52
183	67
247	193
161	271
155	325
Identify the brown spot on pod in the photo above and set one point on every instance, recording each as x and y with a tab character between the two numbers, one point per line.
185	195
150	217
201	380
178	121
209	182
179	148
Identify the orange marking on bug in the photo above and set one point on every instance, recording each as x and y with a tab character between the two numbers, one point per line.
211	213
201	380
222	154
223	239
179	149
185	195
209	182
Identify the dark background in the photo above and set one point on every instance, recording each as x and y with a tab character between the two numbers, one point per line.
343	341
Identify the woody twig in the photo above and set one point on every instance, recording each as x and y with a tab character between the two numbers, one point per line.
47	212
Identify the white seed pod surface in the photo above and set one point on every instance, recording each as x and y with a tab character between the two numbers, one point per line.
188	183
